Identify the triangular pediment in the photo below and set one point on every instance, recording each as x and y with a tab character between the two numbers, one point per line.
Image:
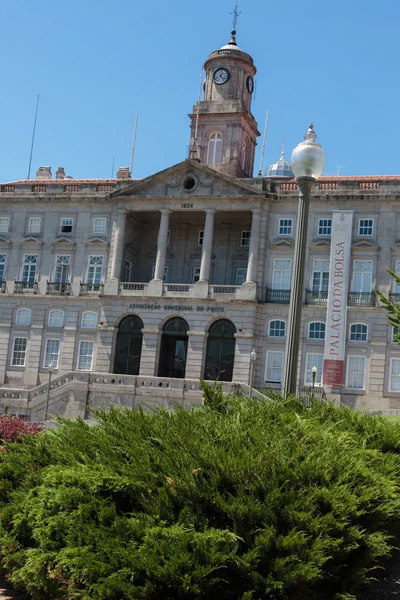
365	245
96	241
63	241
31	241
396	247
241	254
320	245
188	180
195	254
4	241
282	244
153	254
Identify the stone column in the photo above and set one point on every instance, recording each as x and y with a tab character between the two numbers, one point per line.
196	351
254	247
118	244
162	244
148	366
207	246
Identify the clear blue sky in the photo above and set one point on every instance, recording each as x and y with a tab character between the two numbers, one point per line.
95	63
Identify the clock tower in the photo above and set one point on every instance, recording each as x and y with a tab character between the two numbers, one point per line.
223	130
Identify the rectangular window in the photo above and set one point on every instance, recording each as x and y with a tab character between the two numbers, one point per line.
314	360
394	334
67	224
200	237
362	276
365	227
99	225
29	268
52	353
355	373
274	367
240	275
285	226
196	274
34	224
245	238
4	224
320	281
95	269
85	358
394	377
325	227
3	259
19	352
396	285
127	274
282	274
62	268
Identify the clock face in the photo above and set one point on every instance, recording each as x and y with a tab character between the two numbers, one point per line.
221	75
250	84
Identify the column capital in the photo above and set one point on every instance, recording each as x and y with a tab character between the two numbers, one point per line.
256	211
165	211
210	211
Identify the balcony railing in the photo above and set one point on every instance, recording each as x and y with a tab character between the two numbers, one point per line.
223	289
361	298
277	296
130	286
394	297
91	289
3	287
25	287
58	289
177	287
316	297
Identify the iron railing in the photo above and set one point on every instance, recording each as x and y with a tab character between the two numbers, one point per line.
25	287
3	287
394	297
91	289
361	299
277	296
58	289
316	297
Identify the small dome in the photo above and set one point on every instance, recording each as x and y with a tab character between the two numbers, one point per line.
280	168
232	45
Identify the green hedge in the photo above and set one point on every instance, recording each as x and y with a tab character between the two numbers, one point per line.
245	500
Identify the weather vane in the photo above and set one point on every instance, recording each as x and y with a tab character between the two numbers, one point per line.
236	13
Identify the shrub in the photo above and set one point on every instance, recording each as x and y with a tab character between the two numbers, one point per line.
13	428
237	500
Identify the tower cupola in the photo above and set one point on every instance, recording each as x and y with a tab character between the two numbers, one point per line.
223	131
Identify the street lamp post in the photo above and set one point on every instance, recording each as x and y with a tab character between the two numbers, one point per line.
253	358
50	369
314	373
307	165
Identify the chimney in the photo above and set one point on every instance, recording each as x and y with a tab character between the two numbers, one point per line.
43	173
123	173
60	173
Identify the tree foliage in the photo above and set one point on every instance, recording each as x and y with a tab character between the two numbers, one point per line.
239	499
392	307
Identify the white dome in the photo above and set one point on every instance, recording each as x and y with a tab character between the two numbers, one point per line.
280	168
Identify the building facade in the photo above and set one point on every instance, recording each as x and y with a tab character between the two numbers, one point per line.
125	291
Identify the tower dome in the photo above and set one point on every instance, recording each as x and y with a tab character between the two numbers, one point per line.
280	168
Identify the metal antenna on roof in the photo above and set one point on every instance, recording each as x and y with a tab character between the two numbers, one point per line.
33	136
193	149
134	143
338	170
260	172
112	168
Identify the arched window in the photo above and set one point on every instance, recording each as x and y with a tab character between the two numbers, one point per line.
358	332
220	353
214	156
23	316
316	331
128	349
173	351
89	320
56	318
277	329
244	154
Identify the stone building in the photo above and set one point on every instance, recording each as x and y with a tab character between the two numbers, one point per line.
126	291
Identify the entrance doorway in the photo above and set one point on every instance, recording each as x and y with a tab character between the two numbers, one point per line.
173	351
129	346
220	353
